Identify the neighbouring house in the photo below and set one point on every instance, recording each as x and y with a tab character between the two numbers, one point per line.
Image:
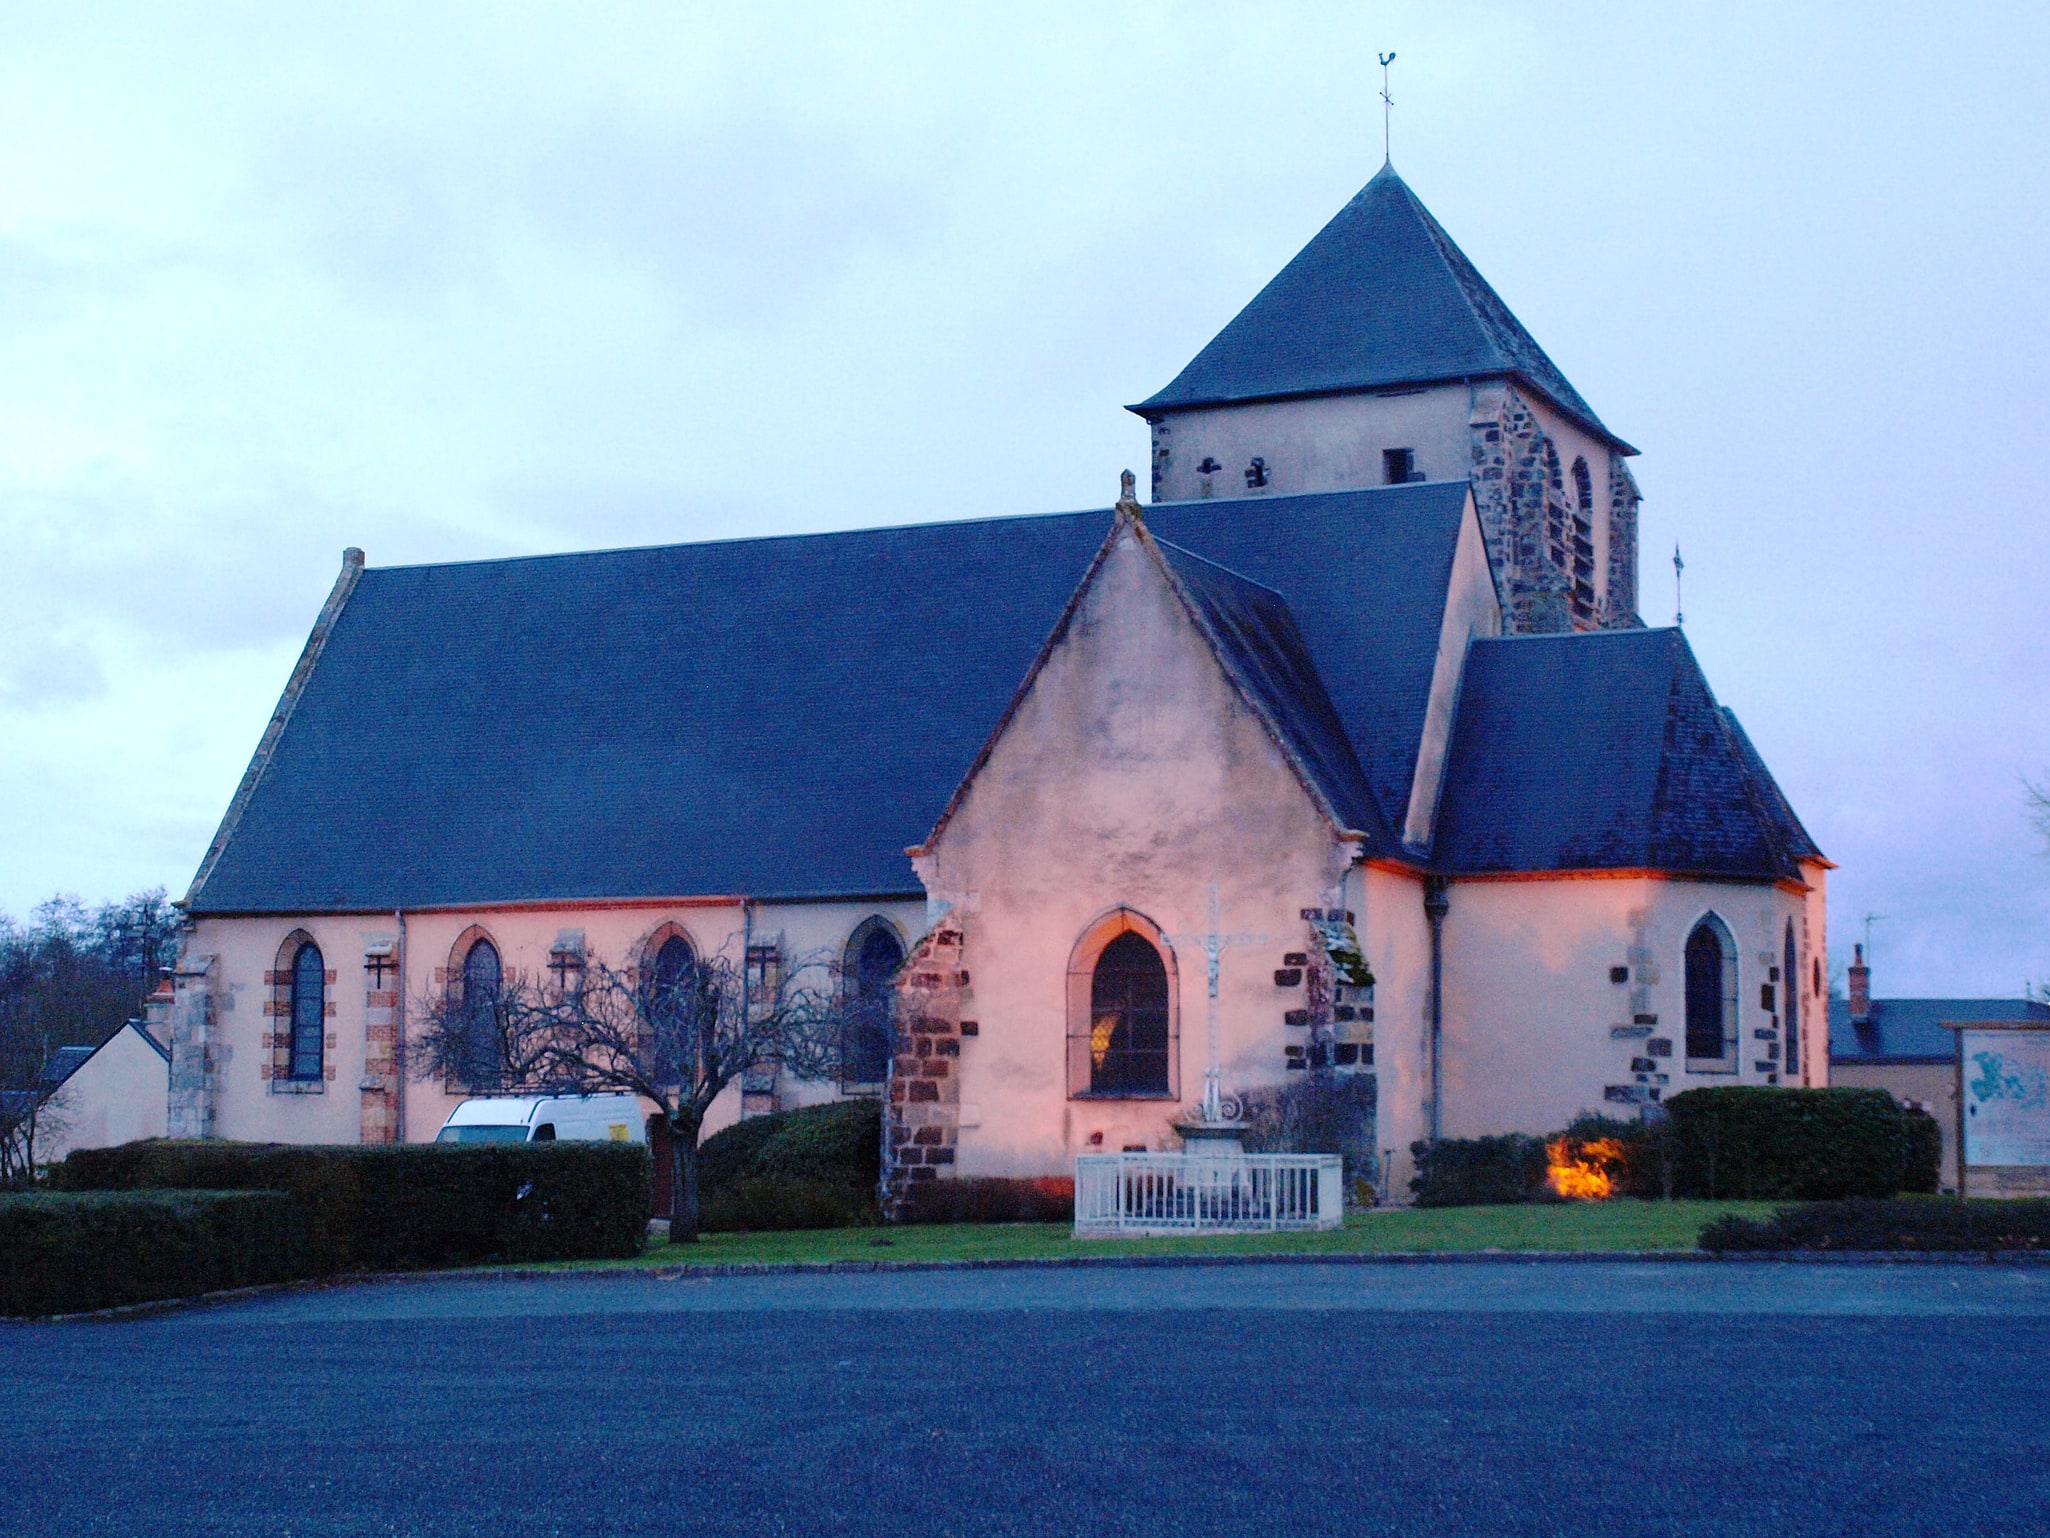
1350	741
1901	1046
106	1095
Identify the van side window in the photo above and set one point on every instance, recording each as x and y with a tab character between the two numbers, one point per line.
545	1133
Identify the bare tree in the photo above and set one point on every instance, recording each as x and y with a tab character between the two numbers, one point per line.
68	978
32	1099
2036	796
675	1040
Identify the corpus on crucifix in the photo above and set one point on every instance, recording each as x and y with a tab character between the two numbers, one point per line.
1215	1121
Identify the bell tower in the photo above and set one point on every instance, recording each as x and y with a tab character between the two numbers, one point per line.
1380	356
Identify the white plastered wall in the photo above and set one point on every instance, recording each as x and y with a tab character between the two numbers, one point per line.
1130	774
1530	1010
249	1109
1320	443
1471	609
116	1096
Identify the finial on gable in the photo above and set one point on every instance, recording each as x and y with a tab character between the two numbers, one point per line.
1128	500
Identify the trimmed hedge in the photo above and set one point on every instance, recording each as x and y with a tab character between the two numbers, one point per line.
1742	1141
69	1252
1480	1171
1924	1172
1766	1144
981	1199
1889	1225
412	1205
811	1168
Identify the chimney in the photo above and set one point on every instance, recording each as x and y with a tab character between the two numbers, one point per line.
1860	978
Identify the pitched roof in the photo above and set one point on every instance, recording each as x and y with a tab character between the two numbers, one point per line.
1793	834
1602	751
764	717
1257	640
1381	296
1911	1030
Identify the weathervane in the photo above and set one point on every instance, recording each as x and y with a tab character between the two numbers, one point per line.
1387	107
1679	618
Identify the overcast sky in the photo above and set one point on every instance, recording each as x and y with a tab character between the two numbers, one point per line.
451	283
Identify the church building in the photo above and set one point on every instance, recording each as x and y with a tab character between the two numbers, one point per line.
1350	740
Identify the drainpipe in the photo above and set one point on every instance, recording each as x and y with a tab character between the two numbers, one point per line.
398	1040
1436	903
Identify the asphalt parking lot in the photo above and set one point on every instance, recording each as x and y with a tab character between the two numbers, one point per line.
1472	1399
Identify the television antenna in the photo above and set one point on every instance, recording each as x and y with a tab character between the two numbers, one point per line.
1679	616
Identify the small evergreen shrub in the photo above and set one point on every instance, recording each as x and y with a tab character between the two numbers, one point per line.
769	1203
1924	1173
982	1199
413	1205
70	1252
1761	1143
1479	1171
817	1167
1319	1113
1902	1224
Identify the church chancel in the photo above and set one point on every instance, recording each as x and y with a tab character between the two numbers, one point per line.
1343	757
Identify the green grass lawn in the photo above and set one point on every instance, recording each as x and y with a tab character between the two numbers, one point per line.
1620	1225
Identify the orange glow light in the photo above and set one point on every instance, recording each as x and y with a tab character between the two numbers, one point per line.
1582	1174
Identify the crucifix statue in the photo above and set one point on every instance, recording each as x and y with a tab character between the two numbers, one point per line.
1213	942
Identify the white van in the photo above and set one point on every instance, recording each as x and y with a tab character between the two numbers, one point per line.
546	1119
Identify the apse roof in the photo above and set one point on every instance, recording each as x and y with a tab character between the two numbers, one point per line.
1605	751
1380	297
770	717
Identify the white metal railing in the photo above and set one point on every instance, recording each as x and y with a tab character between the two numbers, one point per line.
1168	1193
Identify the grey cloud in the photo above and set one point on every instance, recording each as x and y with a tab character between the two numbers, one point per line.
40	672
747	218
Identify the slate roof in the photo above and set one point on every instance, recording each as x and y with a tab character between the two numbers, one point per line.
1256	638
1380	297
1911	1030
773	717
1604	751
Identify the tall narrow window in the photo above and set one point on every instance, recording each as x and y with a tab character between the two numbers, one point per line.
1128	1020
309	1012
1583	543
1711	967
483	981
874	957
1790	969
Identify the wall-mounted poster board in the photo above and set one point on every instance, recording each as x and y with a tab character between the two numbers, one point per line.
2003	1070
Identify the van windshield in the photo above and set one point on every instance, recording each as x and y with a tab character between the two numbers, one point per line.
500	1133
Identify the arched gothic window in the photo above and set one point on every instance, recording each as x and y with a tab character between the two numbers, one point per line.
309	1013
483	983
1711	969
870	965
1128	1036
1790	969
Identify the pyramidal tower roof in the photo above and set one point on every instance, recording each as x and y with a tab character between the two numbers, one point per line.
1380	297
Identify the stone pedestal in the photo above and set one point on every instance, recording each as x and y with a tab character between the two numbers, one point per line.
1206	1139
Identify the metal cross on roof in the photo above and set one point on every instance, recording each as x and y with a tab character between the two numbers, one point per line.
1387	109
1213	942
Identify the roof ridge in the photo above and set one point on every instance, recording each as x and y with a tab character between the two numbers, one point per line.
741	539
1168	544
